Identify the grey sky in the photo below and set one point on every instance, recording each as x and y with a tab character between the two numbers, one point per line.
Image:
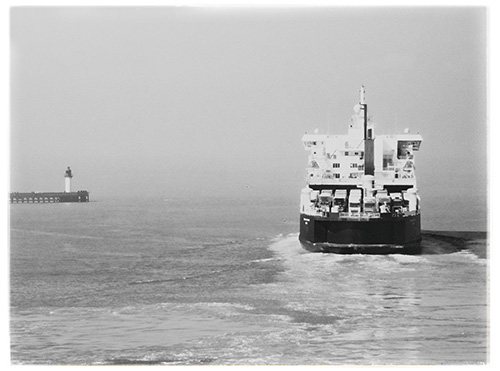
176	100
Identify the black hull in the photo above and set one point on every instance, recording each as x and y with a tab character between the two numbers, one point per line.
398	235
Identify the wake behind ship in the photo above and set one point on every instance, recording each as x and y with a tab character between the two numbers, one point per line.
361	194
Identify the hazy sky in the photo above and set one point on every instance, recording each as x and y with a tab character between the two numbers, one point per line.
199	100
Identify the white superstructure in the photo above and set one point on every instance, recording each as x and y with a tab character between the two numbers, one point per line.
361	160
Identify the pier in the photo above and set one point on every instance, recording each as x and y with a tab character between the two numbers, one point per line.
51	197
48	197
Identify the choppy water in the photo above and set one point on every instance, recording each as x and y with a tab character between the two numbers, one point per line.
185	281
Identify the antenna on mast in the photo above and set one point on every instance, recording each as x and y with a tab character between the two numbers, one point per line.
362	95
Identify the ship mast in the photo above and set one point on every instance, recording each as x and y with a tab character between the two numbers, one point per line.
364	107
368	137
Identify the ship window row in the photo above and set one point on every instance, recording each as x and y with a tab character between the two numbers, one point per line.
337	175
353	153
313	143
354	165
330	176
344	153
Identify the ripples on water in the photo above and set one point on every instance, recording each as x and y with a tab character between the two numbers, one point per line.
162	298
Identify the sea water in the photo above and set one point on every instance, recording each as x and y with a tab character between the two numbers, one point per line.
225	281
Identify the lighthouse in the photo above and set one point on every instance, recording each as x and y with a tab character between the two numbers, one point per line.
67	177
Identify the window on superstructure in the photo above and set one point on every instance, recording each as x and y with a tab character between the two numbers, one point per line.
336	175
387	161
336	165
354	165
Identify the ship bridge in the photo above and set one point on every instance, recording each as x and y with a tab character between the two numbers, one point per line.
337	159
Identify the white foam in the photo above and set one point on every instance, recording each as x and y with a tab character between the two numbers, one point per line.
469	255
408	258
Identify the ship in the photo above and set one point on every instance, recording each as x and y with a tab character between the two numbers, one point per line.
52	197
361	195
